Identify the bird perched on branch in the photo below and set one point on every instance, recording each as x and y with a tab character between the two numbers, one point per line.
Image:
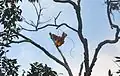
58	40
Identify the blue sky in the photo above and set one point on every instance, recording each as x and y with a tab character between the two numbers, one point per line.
95	27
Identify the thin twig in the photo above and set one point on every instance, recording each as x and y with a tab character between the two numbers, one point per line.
55	20
66	26
64	59
22	28
32	23
39	4
38	20
45	21
42	48
21	41
116	63
35	8
67	1
57	26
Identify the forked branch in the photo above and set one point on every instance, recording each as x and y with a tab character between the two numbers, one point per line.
100	45
45	51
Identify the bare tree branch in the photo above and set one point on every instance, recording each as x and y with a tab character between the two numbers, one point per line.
6	45
21	41
100	45
65	1
66	26
39	4
38	19
40	11
57	26
78	1
81	68
64	59
35	8
83	40
38	22
57	17
32	23
44	50
63	23
116	63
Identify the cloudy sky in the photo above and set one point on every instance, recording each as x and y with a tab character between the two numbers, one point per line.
95	28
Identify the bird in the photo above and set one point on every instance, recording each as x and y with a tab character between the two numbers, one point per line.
58	40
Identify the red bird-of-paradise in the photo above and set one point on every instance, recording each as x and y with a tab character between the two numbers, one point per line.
58	40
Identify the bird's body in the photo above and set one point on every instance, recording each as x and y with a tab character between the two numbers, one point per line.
58	40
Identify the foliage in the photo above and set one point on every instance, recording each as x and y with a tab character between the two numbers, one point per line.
118	61
7	66
38	69
10	15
